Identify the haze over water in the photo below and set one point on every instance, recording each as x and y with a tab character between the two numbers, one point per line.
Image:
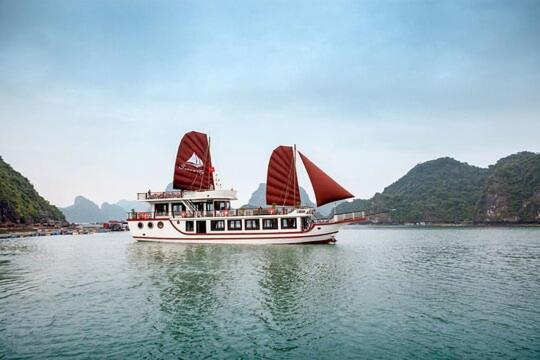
384	293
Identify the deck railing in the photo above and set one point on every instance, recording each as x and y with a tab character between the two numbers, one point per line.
352	216
216	213
160	195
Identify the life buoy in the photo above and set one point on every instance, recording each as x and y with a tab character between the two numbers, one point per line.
225	213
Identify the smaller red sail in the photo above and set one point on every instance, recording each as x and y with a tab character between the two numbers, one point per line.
325	188
281	180
193	167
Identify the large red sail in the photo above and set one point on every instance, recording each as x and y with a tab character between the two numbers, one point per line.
193	167
325	188
281	180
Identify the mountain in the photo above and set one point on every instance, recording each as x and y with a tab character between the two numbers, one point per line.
129	205
20	202
441	190
448	191
112	212
84	210
258	198
512	190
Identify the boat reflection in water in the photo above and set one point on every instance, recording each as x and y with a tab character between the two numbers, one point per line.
273	287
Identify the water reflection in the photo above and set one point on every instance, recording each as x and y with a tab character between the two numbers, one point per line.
295	281
187	280
280	285
12	274
104	295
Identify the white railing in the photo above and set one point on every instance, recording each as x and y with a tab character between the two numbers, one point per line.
216	213
160	195
352	216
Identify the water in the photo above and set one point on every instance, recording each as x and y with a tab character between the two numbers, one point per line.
378	293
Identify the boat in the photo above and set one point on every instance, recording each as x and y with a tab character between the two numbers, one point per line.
198	211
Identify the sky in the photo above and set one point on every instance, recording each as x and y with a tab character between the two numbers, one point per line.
95	95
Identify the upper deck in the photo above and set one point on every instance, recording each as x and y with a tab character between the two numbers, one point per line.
165	196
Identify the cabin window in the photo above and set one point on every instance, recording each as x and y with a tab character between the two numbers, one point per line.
288	223
306	222
269	224
150	225
235	224
199	206
209	206
252	224
189	226
160	224
161	209
140	225
177	208
217	225
221	205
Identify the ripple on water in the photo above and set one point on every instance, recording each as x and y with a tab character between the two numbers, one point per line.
378	293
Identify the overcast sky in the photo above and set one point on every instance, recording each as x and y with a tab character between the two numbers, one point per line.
95	95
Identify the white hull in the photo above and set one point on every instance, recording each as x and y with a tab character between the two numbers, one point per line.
284	241
169	233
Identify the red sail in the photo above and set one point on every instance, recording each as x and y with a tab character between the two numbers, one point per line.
325	188
193	167
281	181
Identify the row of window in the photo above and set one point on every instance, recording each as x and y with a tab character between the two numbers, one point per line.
249	224
236	224
199	206
151	225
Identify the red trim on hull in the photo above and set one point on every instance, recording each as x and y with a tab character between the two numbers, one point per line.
316	242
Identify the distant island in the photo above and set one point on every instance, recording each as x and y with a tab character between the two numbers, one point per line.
448	191
84	210
438	191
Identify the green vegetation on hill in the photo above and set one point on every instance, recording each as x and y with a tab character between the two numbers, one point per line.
512	191
448	191
442	190
20	202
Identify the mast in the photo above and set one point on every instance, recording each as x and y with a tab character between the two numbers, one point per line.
210	169
295	169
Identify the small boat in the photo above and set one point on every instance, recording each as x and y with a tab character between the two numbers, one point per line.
198	212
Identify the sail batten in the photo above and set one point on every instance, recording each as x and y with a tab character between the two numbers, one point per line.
325	188
193	166
281	181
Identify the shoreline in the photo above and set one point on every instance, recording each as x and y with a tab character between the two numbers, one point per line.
14	231
447	225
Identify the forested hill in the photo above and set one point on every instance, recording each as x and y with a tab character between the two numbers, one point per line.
512	190
448	191
20	202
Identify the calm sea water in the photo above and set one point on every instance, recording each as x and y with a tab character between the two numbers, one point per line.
377	293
